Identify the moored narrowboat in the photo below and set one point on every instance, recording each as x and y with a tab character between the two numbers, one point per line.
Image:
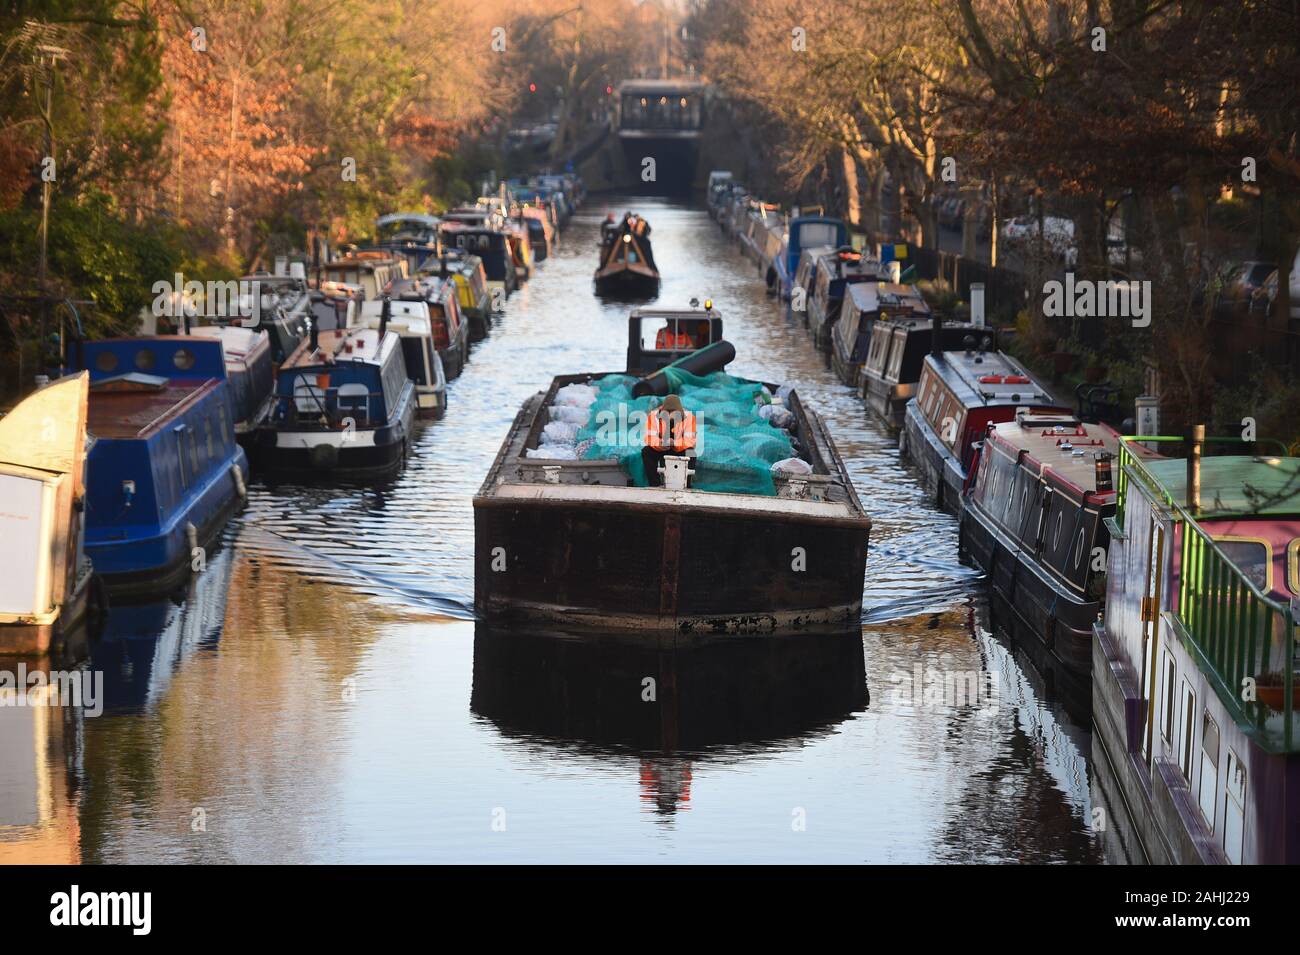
1034	521
1195	749
249	372
372	269
411	235
410	321
867	307
759	530
832	273
959	395
896	356
45	576
165	471
490	245
473	296
450	330
805	276
804	231
344	406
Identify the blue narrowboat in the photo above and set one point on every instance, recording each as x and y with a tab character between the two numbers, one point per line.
491	245
803	232
165	471
343	405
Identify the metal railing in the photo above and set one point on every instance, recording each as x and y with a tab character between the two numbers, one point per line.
1242	638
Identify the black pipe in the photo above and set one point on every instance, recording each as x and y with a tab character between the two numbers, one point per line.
936	334
709	358
384	314
315	335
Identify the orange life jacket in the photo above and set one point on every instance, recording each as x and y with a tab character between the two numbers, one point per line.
666	340
657	434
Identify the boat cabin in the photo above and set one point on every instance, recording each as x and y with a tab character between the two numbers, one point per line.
165	469
807	232
660	336
411	235
1195	673
865	306
831	274
959	395
418	332
490	245
372	270
897	353
450	330
249	370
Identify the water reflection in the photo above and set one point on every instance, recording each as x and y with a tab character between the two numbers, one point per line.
311	699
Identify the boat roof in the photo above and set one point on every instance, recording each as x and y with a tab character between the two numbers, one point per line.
360	260
964	371
417	217
660	86
397	308
873	296
426	288
330	349
1060	442
408	323
842	263
1233	485
236	340
134	405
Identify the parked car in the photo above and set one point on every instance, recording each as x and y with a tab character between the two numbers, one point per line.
1239	287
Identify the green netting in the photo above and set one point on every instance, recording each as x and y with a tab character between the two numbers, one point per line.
735	447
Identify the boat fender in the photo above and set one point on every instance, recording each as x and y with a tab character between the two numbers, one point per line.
238	474
325	456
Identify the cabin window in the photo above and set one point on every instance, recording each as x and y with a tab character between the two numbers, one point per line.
1167	699
1078	549
1293	566
1234	816
183	359
145	359
207	434
1188	715
225	427
1056	534
106	361
1209	795
1252	555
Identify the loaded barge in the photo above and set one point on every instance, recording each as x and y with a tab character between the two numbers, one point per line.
762	531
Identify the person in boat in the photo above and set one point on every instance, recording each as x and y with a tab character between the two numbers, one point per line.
669	429
666	339
609	229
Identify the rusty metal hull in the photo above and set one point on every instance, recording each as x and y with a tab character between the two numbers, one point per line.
660	568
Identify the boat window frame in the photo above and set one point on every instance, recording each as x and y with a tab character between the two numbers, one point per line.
1230	796
1168	714
1248	539
1293	566
1186	729
1208	722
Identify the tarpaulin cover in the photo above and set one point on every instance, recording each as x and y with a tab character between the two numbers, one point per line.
735	447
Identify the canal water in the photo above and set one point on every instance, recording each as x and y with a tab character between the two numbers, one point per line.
322	694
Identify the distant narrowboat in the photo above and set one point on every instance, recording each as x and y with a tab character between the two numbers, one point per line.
805	277
490	245
831	275
627	266
411	321
740	538
472	292
344	406
803	232
866	307
45	575
896	356
959	395
411	235
1195	749
1035	521
250	372
450	330
165	472
373	270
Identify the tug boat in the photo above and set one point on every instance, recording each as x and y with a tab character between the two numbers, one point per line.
45	576
627	267
868	308
960	394
1035	522
1195	748
165	471
760	531
344	405
832	273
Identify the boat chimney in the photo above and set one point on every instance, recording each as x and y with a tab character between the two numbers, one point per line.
977	304
315	335
1103	475
1194	469
936	333
385	313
